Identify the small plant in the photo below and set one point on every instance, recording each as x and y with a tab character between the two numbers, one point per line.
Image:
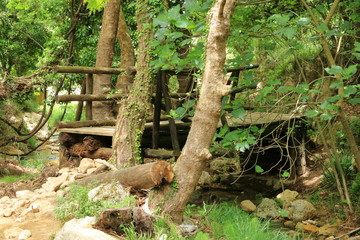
75	204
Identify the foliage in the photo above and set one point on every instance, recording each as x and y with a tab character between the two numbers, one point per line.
75	204
12	178
58	112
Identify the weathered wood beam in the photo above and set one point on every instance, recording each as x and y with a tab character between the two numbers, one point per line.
88	97
93	70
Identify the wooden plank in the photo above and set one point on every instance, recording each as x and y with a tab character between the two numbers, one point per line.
89	90
92	70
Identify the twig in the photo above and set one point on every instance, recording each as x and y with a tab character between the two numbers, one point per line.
348	233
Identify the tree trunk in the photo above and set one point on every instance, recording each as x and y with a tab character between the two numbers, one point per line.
127	57
104	58
196	150
139	177
134	110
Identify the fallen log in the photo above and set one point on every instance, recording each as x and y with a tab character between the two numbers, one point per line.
138	177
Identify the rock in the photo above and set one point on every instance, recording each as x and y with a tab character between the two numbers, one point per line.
8	212
85	164
300	210
328	229
80	229
25	234
65	169
112	193
289	224
287	196
205	178
12	233
310	228
186	229
91	170
32	119
248	206
54	183
35	208
24	194
20	203
220	165
4	199
299	226
268	208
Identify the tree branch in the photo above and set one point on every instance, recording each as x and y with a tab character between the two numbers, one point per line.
252	3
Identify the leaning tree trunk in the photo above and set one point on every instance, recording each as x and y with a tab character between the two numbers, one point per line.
104	58
127	57
133	111
196	150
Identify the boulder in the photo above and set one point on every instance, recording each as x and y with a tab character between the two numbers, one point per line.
248	206
205	178
12	233
112	193
25	234
287	196
300	210
54	183
268	208
81	229
223	165
85	164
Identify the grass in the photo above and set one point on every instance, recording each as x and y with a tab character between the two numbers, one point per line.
227	221
12	178
75	204
58	111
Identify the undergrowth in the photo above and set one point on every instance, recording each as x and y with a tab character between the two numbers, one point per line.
75	204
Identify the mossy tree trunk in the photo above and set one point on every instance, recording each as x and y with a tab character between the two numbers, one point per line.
104	58
127	57
195	153
133	111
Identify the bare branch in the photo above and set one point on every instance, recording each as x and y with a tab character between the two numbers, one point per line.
252	3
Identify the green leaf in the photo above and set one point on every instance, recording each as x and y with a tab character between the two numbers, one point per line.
239	113
349	71
303	21
322	27
182	23
280	19
311	113
354	101
289	32
285	174
326	116
334	70
259	169
350	89
336	84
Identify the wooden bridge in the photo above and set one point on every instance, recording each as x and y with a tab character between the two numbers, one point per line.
161	130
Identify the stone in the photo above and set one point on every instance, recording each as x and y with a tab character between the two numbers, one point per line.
268	208
299	226
20	203
4	199
221	165
289	224
91	170
12	233
328	229
65	169
24	194
112	193
80	229
287	196
186	229
25	234
35	207
205	178
248	206
8	212
85	164
310	228
54	183
300	210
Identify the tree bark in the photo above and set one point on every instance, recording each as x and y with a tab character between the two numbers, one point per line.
139	177
127	57
196	150
104	58
134	110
